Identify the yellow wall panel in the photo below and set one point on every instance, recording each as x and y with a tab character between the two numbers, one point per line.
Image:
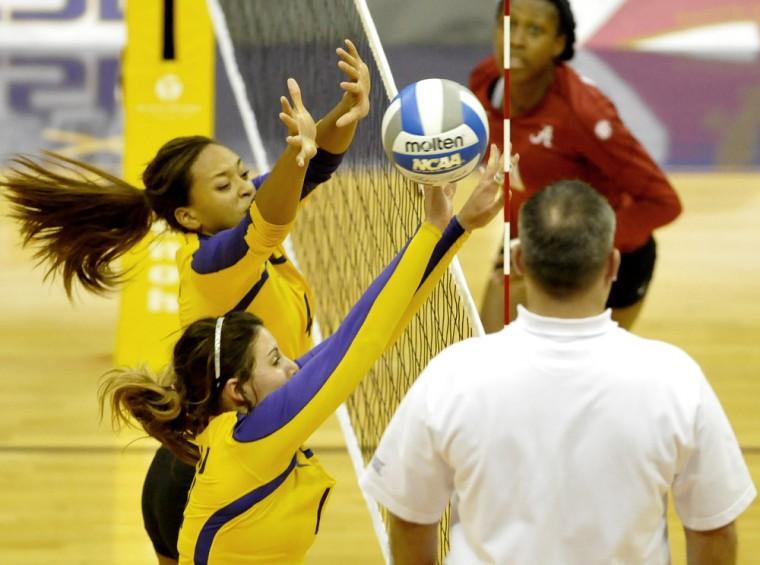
164	98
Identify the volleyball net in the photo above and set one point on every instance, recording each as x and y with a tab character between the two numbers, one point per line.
350	228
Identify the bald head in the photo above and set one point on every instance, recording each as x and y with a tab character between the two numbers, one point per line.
566	236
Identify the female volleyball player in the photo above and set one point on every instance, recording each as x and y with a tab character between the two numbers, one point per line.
235	405
563	127
232	258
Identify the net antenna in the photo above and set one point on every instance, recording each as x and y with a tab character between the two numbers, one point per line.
351	227
507	164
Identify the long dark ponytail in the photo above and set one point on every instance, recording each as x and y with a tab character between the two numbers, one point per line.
80	218
177	406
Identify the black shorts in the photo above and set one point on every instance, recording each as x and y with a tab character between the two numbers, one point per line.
164	496
634	276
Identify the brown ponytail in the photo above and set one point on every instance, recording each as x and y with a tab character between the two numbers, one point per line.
178	406
135	394
77	216
80	218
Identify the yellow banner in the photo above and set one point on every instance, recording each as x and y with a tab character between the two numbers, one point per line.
168	82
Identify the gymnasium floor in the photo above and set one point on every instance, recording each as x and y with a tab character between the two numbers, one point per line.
71	487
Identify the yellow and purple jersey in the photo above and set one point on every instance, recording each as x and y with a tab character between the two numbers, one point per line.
258	494
245	268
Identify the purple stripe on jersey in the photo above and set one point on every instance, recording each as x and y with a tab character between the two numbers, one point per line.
222	249
321	167
251	294
227	247
449	237
259	180
313	352
233	509
281	406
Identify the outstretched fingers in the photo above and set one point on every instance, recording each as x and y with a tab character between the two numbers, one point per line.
302	130
357	87
295	93
495	166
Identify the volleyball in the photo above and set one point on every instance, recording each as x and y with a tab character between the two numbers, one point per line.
435	131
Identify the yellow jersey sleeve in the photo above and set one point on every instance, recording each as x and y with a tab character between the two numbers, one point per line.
216	272
279	424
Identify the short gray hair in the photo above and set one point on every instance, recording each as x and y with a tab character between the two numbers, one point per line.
566	235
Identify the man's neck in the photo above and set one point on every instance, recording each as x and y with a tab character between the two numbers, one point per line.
586	305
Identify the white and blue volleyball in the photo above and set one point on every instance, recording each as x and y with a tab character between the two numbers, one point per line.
435	131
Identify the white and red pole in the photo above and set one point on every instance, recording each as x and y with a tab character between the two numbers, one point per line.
507	159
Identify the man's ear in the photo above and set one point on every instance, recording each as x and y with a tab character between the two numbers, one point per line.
187	218
518	261
613	266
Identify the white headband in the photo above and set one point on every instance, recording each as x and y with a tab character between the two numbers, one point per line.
217	349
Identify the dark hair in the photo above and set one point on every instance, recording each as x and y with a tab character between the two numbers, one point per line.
80	218
167	177
566	235
178	406
566	28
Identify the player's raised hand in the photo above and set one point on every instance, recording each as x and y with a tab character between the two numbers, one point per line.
487	199
358	86
515	180
302	131
439	204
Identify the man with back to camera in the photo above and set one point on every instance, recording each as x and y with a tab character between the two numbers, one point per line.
559	437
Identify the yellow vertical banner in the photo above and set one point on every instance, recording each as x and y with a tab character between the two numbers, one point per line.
168	81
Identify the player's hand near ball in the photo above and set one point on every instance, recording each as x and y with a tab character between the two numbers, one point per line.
515	180
439	204
357	88
487	200
302	131
484	203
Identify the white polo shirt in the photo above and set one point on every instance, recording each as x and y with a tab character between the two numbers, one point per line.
560	440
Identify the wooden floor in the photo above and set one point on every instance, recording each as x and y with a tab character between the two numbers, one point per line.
71	487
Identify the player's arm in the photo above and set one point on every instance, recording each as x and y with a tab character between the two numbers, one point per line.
289	415
336	129
278	197
712	547
413	544
228	264
650	200
451	240
486	200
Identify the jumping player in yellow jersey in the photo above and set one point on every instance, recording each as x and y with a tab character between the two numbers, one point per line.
232	258
240	409
80	218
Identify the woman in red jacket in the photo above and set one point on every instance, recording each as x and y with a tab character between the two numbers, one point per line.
563	127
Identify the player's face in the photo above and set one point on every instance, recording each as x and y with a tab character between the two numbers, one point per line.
534	42
271	369
221	192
